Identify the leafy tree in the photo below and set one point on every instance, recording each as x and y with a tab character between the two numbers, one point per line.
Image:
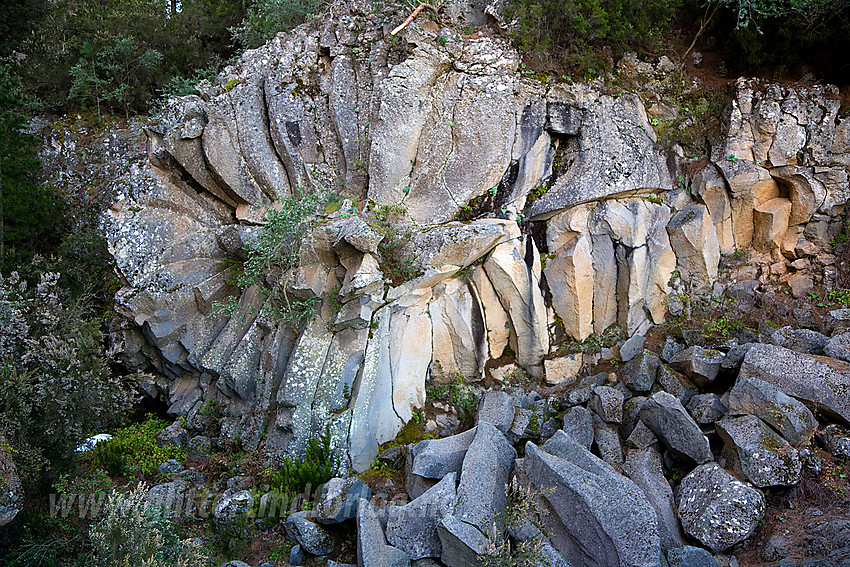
267	17
30	213
56	385
577	28
94	37
112	73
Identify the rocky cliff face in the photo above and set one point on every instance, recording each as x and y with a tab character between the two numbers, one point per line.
553	193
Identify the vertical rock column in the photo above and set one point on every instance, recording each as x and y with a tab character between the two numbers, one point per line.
514	270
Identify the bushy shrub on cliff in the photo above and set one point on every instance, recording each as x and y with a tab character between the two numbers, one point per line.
56	385
573	29
131	534
267	17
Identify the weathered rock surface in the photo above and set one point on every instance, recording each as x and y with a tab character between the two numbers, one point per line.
717	509
644	468
435	458
336	104
462	543
818	382
413	527
765	458
699	364
497	408
372	547
598	516
664	415
791	418
11	490
339	498
312	537
486	470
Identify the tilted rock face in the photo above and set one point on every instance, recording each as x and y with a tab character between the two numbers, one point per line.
448	130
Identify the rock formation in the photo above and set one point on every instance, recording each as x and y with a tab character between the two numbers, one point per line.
535	210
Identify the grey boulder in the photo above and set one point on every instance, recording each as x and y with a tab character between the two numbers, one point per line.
766	459
790	417
607	403
372	547
819	382
676	383
413	527
805	341
664	415
644	468
462	543
435	458
639	373
699	364
689	556
338	499
838	347
599	517
497	408
579	425
486	470
717	509
706	408
313	538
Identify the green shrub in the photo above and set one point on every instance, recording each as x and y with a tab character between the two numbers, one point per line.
133	450
523	507
395	260
315	469
575	29
274	256
267	17
131	534
56	386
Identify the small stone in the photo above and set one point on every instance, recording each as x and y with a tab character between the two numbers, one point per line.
170	466
706	408
607	403
776	548
836	440
641	437
630	348
562	369
812	463
296	555
199	448
800	285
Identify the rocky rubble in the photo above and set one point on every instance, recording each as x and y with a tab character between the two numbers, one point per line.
595	508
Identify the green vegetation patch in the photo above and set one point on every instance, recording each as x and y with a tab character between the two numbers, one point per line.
133	450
